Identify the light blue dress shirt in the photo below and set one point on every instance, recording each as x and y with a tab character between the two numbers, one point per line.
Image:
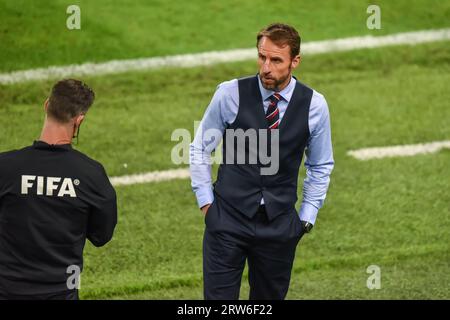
223	110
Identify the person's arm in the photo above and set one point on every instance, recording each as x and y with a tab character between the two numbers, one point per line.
319	160
103	216
3	177
221	111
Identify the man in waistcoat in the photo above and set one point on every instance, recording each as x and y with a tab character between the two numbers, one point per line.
267	122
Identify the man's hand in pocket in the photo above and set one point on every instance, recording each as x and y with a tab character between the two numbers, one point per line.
205	208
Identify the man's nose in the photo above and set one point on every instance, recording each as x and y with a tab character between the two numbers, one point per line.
266	67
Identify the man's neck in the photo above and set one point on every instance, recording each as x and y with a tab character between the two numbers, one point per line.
56	133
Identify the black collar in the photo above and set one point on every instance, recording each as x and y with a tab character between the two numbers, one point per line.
37	144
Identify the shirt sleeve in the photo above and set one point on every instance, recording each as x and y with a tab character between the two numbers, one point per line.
319	159
221	111
103	215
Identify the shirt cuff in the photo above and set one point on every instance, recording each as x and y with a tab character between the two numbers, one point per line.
204	196
308	212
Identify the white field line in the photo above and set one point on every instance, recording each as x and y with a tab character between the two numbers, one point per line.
360	154
214	57
155	176
399	151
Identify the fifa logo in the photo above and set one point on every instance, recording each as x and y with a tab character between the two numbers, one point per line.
50	186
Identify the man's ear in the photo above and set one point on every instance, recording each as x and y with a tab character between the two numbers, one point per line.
79	119
296	61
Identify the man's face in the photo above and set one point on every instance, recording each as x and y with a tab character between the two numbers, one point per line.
275	64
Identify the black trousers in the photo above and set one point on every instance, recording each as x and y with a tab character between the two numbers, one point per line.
231	239
64	295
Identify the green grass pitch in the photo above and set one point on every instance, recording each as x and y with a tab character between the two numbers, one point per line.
394	213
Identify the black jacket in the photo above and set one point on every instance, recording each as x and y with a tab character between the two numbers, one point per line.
52	198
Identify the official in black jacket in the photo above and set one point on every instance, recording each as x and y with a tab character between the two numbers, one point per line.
52	198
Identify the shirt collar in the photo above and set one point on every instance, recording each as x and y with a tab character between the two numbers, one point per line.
286	93
38	144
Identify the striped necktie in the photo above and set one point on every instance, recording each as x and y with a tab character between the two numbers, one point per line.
272	114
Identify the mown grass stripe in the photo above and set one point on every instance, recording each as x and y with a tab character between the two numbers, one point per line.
214	57
351	261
